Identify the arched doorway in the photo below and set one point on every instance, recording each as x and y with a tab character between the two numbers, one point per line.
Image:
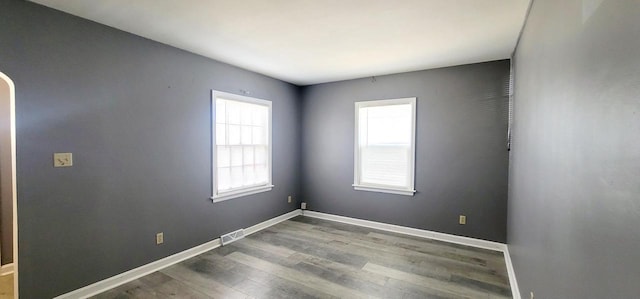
8	191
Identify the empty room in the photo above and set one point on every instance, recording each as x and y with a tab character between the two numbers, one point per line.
319	149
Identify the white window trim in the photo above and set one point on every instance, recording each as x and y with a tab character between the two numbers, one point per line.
356	154
240	192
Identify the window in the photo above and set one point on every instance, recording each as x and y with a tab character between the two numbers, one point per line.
385	146
242	145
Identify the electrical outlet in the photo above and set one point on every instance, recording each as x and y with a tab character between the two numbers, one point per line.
463	219
62	159
159	238
532	296
289	199
303	205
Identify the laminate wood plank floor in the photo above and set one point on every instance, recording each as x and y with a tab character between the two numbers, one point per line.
6	286
306	257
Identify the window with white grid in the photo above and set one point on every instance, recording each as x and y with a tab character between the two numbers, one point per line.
385	146
242	147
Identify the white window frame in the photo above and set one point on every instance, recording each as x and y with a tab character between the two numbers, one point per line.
357	185
226	195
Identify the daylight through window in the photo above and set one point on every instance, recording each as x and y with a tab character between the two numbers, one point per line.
242	152
385	146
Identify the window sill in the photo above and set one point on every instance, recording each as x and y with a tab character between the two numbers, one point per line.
384	190
240	193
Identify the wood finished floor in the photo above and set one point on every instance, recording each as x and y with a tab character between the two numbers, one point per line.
6	286
311	258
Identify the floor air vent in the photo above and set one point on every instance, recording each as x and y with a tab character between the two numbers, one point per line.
232	236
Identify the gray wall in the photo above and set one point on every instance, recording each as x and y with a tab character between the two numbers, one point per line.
574	204
461	156
136	116
6	196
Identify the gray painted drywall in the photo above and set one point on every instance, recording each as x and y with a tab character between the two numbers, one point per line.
461	156
6	196
136	116
574	195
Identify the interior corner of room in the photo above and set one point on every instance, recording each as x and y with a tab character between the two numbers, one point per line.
395	149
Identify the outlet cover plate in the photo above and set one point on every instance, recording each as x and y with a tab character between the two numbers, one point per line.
62	159
159	238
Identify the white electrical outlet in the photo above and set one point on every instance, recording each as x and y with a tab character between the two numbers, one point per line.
532	296
303	205
463	219
159	238
289	199
62	159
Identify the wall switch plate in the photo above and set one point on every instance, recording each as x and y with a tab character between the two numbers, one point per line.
303	205
159	238
463	219
289	199
62	159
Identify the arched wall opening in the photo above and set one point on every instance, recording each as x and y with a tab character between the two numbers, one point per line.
8	196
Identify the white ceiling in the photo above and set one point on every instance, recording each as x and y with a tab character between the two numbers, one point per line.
314	41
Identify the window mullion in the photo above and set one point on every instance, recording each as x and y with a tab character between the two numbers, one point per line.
242	155
227	141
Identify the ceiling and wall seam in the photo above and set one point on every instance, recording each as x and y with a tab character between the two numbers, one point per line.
312	42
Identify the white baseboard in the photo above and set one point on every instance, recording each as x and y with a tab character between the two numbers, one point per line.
515	290
122	278
114	281
429	235
273	221
6	269
409	231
